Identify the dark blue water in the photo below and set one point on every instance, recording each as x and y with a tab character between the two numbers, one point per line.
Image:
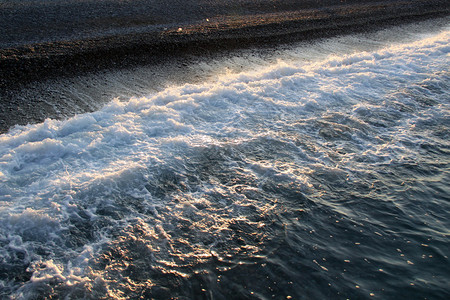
314	176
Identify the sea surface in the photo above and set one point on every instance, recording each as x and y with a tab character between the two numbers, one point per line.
321	173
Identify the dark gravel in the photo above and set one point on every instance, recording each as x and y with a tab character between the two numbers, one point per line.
50	39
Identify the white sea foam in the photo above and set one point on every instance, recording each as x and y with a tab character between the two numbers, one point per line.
52	172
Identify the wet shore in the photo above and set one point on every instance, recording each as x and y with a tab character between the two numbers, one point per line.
48	40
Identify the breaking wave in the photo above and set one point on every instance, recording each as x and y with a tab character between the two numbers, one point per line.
301	179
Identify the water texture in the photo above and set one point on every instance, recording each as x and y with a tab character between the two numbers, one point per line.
307	179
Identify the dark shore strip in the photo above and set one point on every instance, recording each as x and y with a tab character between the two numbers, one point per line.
24	65
40	61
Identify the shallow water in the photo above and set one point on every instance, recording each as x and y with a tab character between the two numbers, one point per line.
312	175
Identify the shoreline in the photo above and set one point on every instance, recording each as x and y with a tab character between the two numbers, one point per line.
36	62
30	64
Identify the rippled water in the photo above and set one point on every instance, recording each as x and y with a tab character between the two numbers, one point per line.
308	178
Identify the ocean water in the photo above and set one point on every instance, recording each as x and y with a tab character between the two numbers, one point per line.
317	175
